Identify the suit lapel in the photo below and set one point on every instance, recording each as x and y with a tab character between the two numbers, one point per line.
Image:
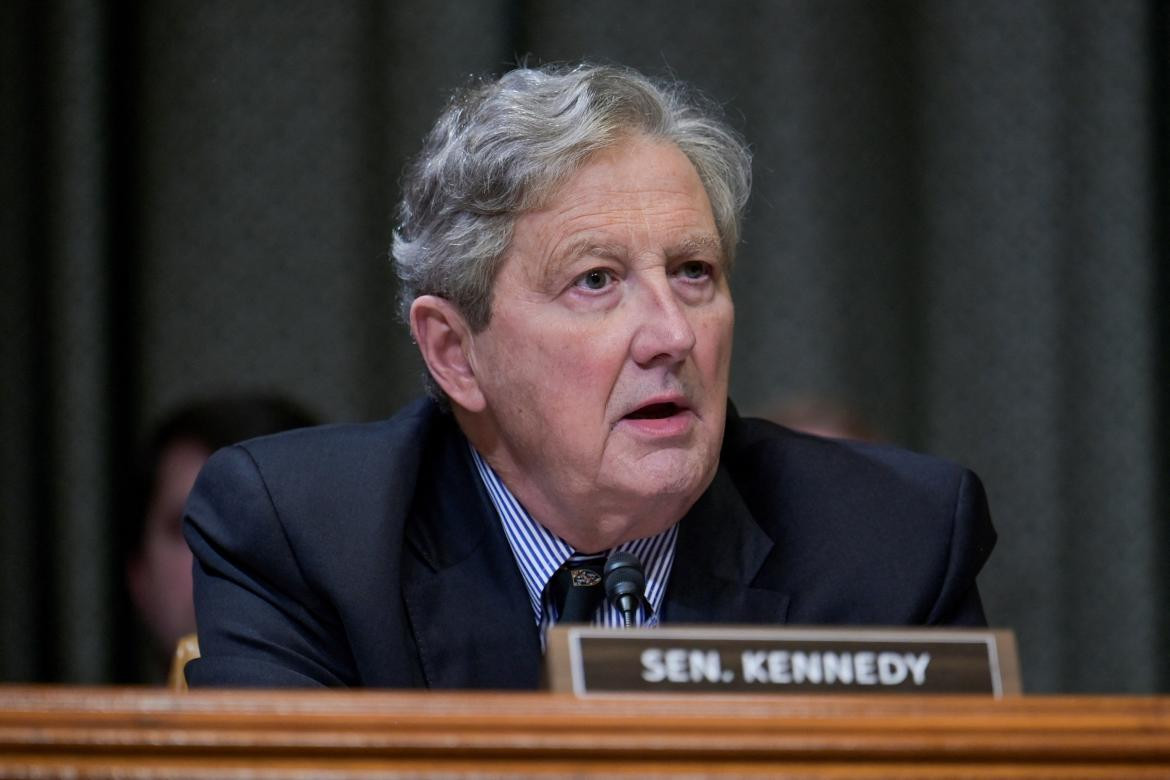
720	550
469	610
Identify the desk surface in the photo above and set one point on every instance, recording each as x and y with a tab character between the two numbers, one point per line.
108	732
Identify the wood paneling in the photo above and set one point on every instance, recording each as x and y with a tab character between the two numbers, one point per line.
107	732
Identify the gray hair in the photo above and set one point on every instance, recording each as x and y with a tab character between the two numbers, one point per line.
503	147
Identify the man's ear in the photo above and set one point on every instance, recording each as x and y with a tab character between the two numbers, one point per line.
444	339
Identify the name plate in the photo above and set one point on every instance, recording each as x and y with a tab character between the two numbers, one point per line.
744	661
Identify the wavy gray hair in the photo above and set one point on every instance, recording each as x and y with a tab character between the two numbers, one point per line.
503	147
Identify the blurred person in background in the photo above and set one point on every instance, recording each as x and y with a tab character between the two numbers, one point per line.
821	416
157	562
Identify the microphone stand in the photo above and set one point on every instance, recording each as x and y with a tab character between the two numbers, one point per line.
625	584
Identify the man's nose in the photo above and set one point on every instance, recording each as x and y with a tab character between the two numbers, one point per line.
664	332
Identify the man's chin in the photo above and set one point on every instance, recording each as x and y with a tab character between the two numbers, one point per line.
668	473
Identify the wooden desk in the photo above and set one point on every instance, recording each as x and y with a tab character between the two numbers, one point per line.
115	732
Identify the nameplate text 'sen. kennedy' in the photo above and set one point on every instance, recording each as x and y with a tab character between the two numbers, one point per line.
736	661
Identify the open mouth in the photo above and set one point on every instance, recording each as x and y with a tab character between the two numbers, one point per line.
655	411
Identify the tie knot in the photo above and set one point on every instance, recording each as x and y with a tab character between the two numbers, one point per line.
576	589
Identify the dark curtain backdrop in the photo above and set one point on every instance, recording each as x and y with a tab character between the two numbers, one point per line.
959	229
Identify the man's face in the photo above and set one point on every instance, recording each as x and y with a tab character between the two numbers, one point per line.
604	367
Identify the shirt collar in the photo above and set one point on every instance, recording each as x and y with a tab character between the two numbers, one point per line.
539	553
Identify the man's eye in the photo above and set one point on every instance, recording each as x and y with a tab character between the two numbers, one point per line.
694	269
595	279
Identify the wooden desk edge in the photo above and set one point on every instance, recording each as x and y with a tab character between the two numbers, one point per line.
56	731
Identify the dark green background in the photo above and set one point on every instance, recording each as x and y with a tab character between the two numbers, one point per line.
959	228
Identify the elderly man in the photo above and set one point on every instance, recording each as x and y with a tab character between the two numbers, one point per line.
566	241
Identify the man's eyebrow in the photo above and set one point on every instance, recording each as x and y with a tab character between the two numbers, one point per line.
691	245
588	246
699	244
592	245
580	248
703	246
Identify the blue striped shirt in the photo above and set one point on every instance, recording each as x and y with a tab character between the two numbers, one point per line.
539	553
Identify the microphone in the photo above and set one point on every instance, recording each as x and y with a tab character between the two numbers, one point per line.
625	584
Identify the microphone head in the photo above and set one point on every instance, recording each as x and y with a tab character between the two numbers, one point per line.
623	576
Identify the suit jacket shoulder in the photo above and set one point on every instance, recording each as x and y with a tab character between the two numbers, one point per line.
860	533
286	530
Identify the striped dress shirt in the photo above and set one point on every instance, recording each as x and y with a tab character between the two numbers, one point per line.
539	553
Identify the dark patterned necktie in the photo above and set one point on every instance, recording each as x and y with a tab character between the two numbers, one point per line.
576	589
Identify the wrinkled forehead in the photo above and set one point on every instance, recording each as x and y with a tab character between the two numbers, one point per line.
644	193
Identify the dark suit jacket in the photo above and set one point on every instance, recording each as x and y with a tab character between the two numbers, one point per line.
371	555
